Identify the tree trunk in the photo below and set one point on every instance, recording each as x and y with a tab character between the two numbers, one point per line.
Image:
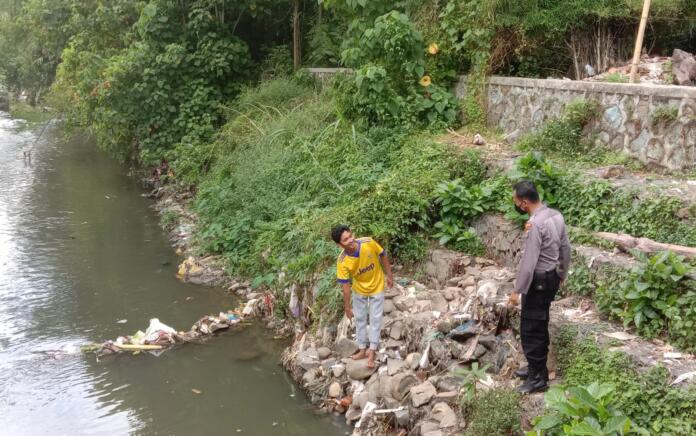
296	36
626	242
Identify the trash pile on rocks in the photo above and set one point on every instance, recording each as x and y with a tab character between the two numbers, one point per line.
429	334
679	69
158	336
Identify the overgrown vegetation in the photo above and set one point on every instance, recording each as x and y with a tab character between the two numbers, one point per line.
286	168
495	412
581	410
563	136
646	398
655	297
664	114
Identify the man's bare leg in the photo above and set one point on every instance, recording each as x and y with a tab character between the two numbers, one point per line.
371	358
361	354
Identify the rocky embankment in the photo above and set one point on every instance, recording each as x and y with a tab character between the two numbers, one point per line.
431	334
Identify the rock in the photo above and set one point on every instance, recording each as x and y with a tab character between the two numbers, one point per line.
444	326
328	363
422	393
488	341
388	306
393	343
361	399
450	397
430	428
373	391
468	281
385	386
335	390
310	376
396	329
404	303
401	384
353	414
323	352
423	306
402	417
611	172
683	67
454	281
438	350
346	347
439	303
478	140
451	292
449	384
444	415
338	370
412	360
394	366
393	292
442	264
309	359
358	370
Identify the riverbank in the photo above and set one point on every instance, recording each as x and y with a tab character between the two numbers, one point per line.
441	340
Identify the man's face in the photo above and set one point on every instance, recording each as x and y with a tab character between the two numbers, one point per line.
347	241
521	205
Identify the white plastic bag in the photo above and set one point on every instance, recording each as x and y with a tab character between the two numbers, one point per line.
152	332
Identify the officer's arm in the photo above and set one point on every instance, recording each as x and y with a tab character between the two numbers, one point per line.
564	255
530	256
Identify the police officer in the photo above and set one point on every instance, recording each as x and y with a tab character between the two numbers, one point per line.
542	269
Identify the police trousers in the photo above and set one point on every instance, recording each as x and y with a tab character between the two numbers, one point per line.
534	325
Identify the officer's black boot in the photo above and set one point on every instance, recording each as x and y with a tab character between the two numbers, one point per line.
522	372
537	381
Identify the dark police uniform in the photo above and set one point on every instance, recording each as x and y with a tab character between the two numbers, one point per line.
543	265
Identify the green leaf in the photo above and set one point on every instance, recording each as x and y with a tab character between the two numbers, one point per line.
619	424
548	422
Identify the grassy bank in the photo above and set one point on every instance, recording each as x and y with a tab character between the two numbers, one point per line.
287	166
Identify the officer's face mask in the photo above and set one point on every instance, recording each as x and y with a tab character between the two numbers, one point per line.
518	208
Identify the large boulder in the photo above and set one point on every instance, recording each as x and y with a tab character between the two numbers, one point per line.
358	370
683	67
442	264
346	347
422	393
444	414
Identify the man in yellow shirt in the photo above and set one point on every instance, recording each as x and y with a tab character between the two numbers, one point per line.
361	266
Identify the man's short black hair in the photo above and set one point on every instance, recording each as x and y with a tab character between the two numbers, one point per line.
526	190
337	231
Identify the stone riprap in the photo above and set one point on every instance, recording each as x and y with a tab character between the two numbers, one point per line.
627	121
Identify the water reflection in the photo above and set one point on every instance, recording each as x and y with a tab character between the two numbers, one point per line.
80	249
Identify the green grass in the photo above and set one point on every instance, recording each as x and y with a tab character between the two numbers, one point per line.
32	114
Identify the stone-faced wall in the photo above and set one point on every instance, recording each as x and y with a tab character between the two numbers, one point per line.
518	105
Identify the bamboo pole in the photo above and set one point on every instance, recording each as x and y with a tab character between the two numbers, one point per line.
639	41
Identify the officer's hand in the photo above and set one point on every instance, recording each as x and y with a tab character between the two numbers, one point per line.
390	282
349	312
514	299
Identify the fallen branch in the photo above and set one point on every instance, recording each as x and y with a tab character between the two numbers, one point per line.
627	242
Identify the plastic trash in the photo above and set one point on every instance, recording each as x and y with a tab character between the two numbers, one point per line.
156	327
294	303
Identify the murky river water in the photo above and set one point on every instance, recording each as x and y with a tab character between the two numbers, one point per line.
80	250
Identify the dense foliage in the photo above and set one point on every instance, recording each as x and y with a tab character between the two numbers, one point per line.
646	398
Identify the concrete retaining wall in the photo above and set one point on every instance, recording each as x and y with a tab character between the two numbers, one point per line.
627	123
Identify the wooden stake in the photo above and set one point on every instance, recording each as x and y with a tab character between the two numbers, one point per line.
296	36
639	41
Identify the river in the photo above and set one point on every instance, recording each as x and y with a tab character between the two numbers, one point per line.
83	259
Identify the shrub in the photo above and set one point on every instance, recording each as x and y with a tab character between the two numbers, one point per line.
646	398
494	412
